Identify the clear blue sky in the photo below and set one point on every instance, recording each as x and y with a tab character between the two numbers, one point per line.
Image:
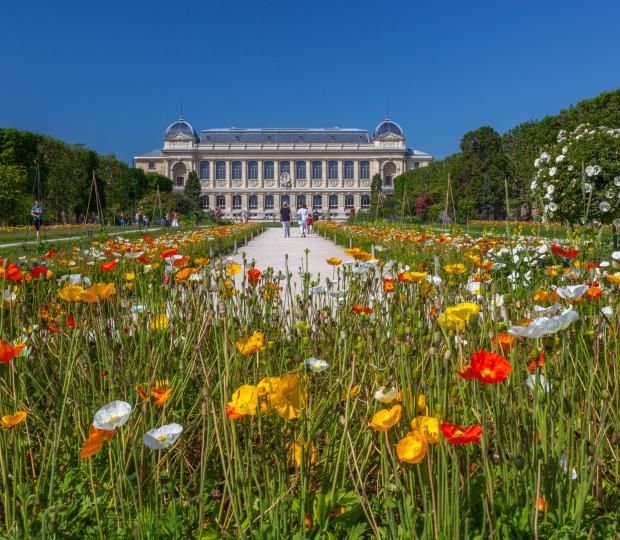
112	75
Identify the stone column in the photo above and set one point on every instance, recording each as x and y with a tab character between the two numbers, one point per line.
341	173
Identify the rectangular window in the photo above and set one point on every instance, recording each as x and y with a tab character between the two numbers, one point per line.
151	165
236	170
268	170
285	167
220	201
268	202
180	181
348	170
317	170
365	170
220	170
252	170
236	202
204	170
416	164
333	201
348	201
332	170
300	170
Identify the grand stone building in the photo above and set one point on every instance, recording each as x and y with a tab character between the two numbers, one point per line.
251	172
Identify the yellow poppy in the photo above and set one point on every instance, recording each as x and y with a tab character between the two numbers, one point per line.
614	279
232	269
428	426
385	419
71	293
456	317
455	269
129	276
289	397
252	344
412	448
244	401
202	261
412	277
333	261
183	274
11	420
350	392
98	291
420	403
159	322
298	451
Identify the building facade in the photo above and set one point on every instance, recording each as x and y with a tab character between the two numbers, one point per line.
252	172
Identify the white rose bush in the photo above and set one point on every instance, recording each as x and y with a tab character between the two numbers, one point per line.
577	179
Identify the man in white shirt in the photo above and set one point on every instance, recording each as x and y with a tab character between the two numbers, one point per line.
302	217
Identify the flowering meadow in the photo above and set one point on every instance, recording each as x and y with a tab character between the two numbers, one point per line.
433	385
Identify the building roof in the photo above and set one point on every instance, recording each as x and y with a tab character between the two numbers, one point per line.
180	128
284	136
388	126
152	153
412	152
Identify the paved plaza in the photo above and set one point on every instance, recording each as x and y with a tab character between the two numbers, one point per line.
271	249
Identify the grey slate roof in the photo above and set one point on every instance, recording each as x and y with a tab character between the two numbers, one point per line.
152	153
415	153
284	136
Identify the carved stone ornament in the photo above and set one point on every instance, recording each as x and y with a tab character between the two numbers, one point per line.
349	183
269	183
301	183
221	183
365	183
317	183
333	183
253	183
237	183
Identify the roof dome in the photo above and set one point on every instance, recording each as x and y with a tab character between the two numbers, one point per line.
180	128
388	126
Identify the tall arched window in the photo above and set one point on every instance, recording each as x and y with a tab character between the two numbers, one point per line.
252	170
268	170
284	199
269	202
236	202
204	201
348	170
301	199
365	200
220	201
220	170
317	201
300	170
348	201
236	170
332	170
365	170
204	170
253	202
285	167
333	201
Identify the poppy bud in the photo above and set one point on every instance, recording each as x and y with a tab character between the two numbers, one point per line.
447	355
605	395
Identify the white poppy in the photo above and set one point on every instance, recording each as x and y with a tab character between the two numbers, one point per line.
552	171
534	380
607	311
551	310
533	185
112	415
163	437
572	292
590	170
564	467
134	254
319	289
386	397
550	189
316	365
560	158
545	325
616	255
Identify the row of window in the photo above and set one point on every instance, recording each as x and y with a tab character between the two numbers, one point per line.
317	201
316	170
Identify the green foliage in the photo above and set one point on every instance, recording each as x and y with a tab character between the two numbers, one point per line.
489	163
154	180
13	201
192	192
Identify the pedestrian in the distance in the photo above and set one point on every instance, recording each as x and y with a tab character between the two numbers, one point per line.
285	218
175	219
37	216
302	217
310	222
315	215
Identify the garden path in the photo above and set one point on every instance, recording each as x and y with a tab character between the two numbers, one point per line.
270	249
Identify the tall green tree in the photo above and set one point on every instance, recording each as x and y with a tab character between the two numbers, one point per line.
192	192
13	198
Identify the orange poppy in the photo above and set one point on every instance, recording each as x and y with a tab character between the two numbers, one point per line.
594	292
361	309
460	435
388	285
536	362
254	276
504	341
94	443
180	263
562	252
169	253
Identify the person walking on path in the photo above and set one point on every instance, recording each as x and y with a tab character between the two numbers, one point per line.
175	219
285	218
302	216
37	216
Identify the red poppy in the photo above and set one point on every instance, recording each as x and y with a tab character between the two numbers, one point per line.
71	321
143	260
169	253
536	362
562	252
460	435
180	263
12	273
388	285
487	367
504	341
51	253
8	351
361	309
148	239
38	271
107	266
254	276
